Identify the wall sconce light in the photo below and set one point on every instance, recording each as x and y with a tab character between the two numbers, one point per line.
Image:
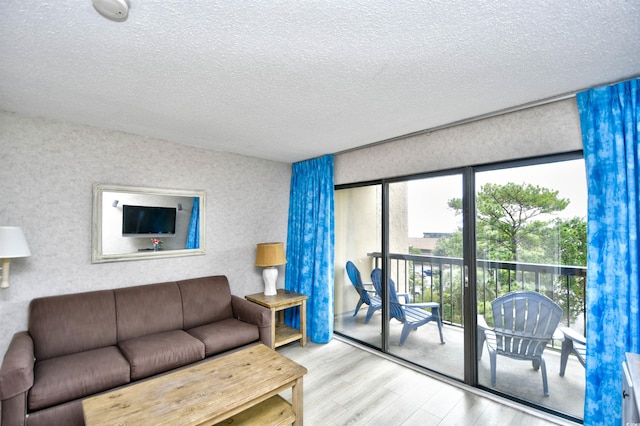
12	244
179	206
270	255
115	203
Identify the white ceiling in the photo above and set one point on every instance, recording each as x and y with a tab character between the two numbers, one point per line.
290	80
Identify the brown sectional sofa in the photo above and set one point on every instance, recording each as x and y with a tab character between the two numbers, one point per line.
82	344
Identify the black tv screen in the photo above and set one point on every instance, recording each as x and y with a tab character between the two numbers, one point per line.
148	221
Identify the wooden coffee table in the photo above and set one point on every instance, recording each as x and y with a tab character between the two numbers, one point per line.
244	384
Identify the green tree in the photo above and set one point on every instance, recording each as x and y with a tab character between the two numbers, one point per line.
510	227
449	247
505	217
571	241
567	245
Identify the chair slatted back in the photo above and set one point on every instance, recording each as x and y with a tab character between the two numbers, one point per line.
356	280
524	322
395	307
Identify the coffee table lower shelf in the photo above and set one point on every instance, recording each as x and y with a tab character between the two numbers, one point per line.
274	411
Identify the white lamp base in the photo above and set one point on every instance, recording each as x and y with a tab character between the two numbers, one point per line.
5	273
270	275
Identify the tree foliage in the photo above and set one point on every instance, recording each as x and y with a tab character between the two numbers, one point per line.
505	217
516	223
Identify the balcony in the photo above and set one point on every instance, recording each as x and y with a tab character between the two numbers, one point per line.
440	279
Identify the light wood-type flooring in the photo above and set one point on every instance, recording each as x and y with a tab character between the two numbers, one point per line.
347	385
514	377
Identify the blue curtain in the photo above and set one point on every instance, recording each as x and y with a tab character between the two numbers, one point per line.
610	121
310	244
193	236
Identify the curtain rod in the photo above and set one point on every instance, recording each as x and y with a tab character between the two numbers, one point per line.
516	108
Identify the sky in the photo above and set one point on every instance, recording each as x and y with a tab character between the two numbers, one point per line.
429	212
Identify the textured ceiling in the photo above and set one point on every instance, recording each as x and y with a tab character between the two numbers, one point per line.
290	80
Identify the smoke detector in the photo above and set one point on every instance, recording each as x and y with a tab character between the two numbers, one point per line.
116	10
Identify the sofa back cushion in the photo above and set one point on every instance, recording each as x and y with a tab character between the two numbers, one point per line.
205	300
62	325
147	309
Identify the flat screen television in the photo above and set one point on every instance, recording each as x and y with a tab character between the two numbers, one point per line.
147	221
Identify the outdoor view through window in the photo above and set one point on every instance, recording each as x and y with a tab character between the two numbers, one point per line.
530	234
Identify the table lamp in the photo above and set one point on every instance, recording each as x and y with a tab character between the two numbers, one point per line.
12	244
270	255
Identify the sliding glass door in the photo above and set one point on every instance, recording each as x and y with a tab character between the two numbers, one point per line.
445	246
425	269
358	222
531	236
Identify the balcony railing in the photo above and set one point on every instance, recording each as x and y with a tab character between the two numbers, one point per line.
440	279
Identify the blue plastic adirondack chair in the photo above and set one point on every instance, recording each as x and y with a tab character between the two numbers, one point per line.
573	343
368	297
411	315
524	323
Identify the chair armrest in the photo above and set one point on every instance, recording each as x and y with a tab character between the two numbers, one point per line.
406	298
370	288
16	373
484	335
430	305
573	342
573	335
482	323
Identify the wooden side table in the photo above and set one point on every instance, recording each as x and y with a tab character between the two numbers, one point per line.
282	334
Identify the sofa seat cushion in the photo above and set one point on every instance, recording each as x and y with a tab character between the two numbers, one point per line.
69	377
156	353
224	335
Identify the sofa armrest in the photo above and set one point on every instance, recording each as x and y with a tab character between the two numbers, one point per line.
16	373
255	314
250	312
14	410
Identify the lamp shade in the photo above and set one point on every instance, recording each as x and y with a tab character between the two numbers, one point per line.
12	243
270	254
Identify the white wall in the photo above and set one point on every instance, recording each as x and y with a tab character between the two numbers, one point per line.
47	170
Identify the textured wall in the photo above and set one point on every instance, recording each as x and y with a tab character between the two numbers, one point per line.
547	129
47	170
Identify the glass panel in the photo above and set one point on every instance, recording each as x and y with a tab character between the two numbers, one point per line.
111	244
531	235
358	235
425	244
